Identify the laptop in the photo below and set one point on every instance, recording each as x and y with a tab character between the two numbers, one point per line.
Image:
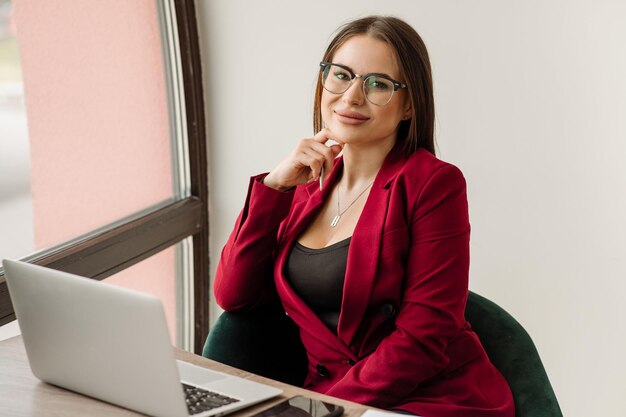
112	343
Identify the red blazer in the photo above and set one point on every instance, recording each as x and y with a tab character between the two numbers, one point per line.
402	340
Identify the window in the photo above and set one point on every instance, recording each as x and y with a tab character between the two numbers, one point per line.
72	237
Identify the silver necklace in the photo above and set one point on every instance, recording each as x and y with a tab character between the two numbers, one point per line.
340	213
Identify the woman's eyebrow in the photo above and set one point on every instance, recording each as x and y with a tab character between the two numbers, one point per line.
378	74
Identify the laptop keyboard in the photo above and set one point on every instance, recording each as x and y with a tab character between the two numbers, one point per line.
200	400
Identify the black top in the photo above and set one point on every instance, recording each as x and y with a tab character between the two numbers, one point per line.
317	276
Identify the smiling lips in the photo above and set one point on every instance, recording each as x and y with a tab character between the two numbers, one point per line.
351	117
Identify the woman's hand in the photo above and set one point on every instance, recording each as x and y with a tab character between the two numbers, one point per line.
304	163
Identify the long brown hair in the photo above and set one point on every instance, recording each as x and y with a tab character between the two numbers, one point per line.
418	131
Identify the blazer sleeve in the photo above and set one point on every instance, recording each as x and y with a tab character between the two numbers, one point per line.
432	306
244	273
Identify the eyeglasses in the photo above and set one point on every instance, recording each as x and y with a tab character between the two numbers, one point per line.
377	88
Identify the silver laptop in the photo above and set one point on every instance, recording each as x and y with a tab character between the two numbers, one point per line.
112	343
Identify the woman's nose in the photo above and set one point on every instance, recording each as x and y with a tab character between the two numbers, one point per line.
354	94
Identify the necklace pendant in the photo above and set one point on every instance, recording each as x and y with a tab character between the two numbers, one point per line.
335	220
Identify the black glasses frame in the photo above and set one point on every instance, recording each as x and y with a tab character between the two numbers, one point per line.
396	84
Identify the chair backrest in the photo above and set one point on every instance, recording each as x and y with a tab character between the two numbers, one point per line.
513	352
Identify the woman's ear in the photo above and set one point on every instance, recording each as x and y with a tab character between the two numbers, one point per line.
407	112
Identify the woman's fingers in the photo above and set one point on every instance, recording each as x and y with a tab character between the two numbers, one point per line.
323	135
312	161
329	152
305	162
324	156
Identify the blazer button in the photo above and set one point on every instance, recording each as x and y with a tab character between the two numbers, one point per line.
322	370
388	310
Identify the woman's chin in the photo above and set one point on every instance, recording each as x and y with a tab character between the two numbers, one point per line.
344	135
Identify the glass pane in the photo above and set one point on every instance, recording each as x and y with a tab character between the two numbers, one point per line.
96	101
16	210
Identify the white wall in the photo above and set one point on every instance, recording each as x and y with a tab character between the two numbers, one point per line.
531	102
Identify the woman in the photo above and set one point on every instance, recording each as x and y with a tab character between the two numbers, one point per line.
369	252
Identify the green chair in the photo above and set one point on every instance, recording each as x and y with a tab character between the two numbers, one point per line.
263	341
513	352
266	342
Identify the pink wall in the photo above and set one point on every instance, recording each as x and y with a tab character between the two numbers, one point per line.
97	118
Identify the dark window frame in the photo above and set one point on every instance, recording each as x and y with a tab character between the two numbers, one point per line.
114	249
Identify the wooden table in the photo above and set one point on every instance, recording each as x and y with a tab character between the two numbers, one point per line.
22	394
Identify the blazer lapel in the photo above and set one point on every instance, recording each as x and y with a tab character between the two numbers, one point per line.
298	310
365	249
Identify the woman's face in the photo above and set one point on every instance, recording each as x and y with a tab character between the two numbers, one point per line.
352	119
